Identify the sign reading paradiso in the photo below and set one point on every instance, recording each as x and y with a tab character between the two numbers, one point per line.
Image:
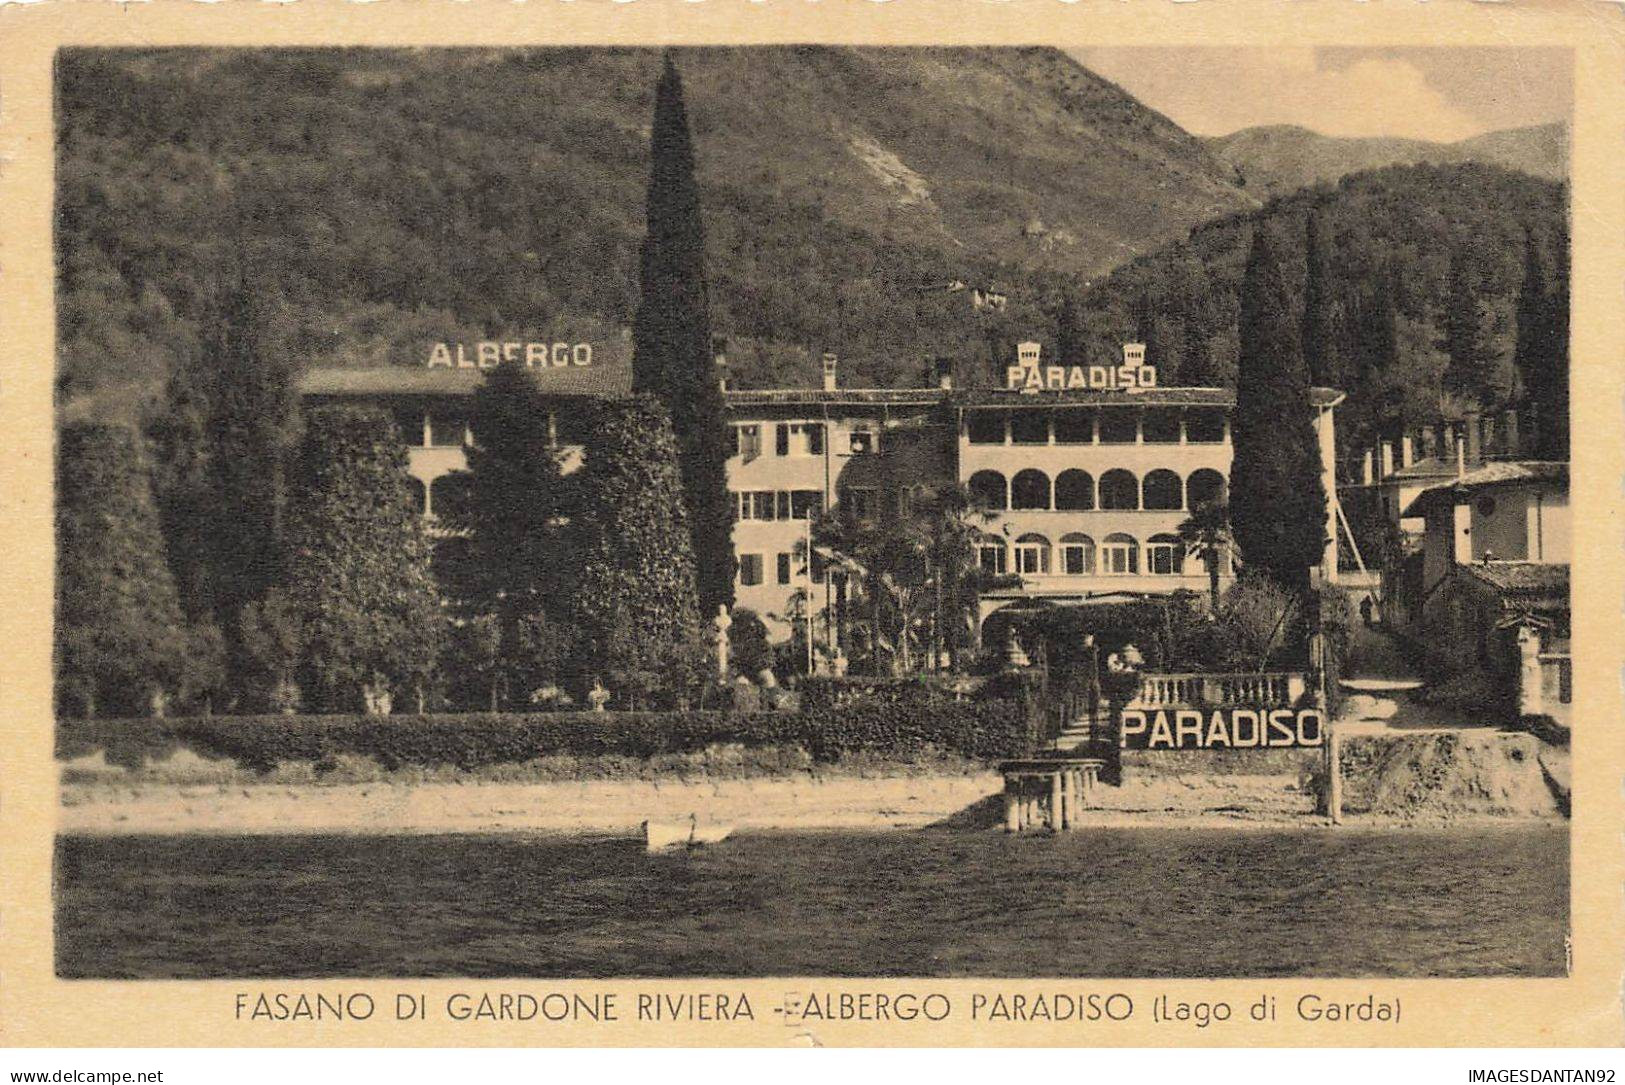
1221	728
1030	376
489	354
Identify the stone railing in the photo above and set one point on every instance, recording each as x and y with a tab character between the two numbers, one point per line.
1274	688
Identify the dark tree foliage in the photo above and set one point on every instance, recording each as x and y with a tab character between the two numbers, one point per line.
1542	351
748	643
508	561
634	598
671	337
358	566
221	442
1163	333
1070	333
1322	326
1396	232
1463	332
1277	498
123	646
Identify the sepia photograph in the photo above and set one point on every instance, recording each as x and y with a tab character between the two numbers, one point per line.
819	510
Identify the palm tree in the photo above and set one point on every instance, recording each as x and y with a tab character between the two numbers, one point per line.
1206	534
918	576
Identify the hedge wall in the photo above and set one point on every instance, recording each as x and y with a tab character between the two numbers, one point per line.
990	730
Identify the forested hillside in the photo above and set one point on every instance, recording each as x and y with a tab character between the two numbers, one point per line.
394	199
1437	253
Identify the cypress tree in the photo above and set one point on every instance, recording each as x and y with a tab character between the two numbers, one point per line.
635	600
1541	353
1163	335
1554	440
1322	329
1070	336
359	583
1466	336
123	645
1277	499
671	335
509	504
222	442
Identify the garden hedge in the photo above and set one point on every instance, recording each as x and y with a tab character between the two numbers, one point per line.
988	730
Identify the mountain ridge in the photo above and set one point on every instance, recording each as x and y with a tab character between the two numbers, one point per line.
1274	160
397	198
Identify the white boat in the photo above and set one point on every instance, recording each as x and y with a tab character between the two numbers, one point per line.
688	833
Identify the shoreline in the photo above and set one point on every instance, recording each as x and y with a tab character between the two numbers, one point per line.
804	802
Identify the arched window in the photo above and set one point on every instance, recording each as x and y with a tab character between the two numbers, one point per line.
1164	490
416	494
1119	489
1077	554
990	555
1029	490
1165	556
987	488
1074	490
1032	555
1119	555
1205	487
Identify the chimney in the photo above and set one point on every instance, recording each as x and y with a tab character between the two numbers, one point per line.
1365	468
1387	458
1475	435
1509	435
942	372
829	371
1134	355
1461	457
719	355
1407	450
1441	440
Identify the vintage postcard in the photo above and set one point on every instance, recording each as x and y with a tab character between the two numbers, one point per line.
850	524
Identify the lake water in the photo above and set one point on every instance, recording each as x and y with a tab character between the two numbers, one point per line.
1119	902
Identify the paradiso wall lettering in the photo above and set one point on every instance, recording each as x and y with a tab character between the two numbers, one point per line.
1030	376
489	354
1221	728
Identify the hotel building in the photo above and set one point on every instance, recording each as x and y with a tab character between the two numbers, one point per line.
1085	473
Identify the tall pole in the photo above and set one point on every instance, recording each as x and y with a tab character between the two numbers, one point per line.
807	614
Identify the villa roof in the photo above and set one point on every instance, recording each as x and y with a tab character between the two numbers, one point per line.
1490	476
1161	396
1430	467
401	380
615	379
1524	583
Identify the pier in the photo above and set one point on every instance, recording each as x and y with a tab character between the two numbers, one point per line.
1048	792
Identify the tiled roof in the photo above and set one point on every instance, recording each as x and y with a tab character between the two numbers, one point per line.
1148	397
616	379
757	397
1431	467
1525	583
1489	476
400	380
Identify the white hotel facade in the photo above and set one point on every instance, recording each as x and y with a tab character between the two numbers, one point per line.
1084	487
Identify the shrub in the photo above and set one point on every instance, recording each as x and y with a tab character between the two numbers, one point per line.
987	730
1160	628
1474	691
